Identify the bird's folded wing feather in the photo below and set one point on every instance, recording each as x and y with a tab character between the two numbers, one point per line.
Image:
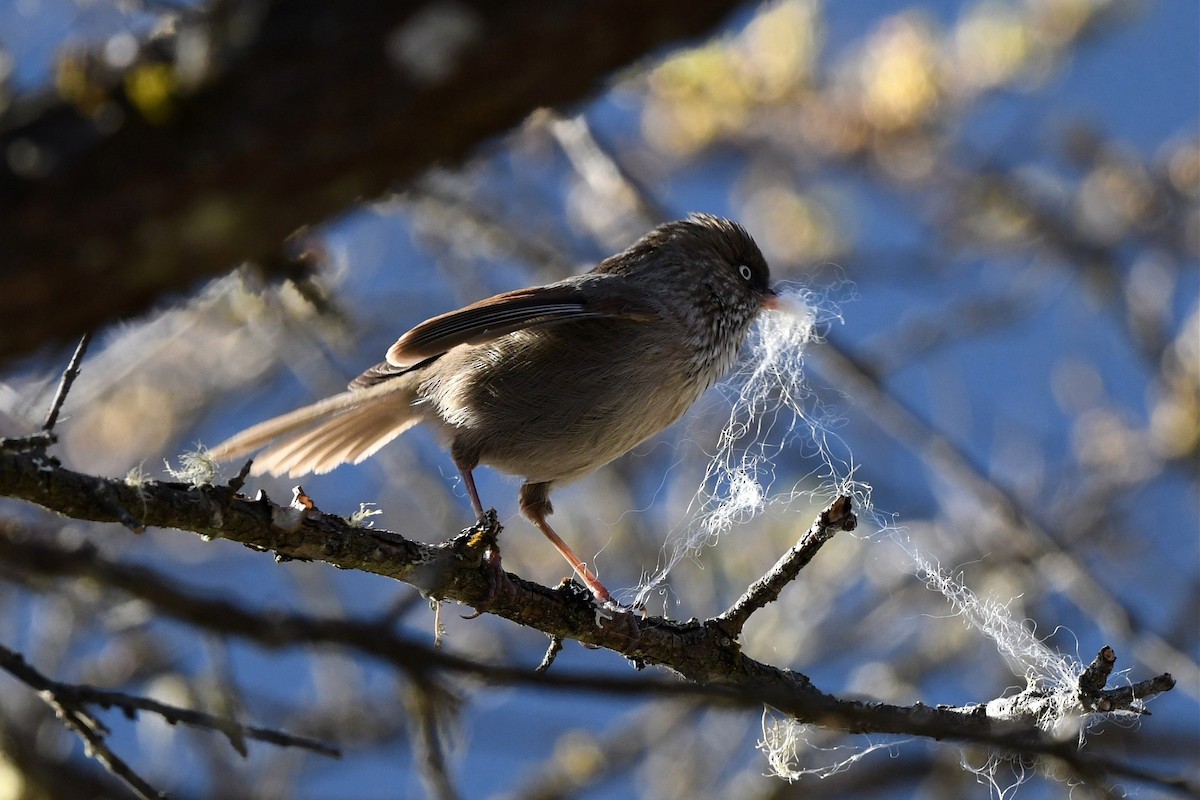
512	311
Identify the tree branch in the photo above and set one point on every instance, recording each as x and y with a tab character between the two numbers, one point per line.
64	386
78	721
301	112
78	696
838	517
701	652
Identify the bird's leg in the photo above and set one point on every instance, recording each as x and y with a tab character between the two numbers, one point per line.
535	505
486	525
472	492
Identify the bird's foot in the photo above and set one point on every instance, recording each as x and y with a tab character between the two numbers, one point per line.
609	610
486	531
621	619
483	539
498	583
483	534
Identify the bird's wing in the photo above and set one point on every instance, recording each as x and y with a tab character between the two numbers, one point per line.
512	311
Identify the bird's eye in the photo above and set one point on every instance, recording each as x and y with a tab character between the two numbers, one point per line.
745	272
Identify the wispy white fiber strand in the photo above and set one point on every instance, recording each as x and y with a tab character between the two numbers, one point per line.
773	409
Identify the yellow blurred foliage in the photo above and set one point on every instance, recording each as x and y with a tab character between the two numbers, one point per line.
990	45
150	87
702	94
792	227
898	74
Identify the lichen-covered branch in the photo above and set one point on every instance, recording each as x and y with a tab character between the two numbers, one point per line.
703	653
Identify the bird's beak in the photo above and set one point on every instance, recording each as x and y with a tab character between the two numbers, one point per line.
770	300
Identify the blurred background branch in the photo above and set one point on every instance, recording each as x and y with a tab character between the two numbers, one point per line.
221	135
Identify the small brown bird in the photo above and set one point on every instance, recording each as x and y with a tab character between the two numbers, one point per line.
551	382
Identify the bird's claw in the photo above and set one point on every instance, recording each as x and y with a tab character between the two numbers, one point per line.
621	616
497	579
486	530
483	536
608	610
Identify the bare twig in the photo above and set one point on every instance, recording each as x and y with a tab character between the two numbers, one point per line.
1036	701
64	385
234	730
1093	679
77	720
72	699
556	645
1129	698
838	516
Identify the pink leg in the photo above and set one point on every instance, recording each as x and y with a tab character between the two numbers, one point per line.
497	580
472	492
535	505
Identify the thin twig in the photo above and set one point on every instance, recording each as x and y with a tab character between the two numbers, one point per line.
1093	679
837	516
197	719
1035	702
556	645
64	385
77	720
70	701
1128	698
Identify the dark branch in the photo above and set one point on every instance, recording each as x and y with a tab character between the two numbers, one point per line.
552	651
77	720
64	386
701	652
1093	679
235	731
227	164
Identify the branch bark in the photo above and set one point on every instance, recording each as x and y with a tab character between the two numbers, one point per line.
702	652
303	112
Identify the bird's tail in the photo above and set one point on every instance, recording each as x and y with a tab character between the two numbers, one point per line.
342	429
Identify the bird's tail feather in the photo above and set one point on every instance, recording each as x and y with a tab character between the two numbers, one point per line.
345	428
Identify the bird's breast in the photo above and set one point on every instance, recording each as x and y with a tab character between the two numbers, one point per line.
555	404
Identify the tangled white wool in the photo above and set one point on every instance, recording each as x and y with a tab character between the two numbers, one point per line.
784	739
770	411
774	409
1055	676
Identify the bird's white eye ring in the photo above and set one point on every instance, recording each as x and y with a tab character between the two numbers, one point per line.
745	271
